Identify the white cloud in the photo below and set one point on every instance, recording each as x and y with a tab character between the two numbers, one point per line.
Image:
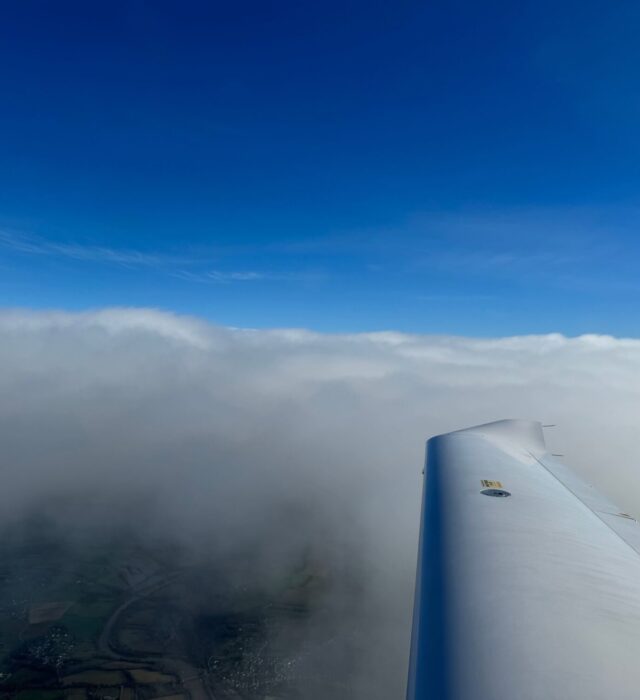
219	426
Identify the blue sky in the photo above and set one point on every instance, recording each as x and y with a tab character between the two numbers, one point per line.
441	167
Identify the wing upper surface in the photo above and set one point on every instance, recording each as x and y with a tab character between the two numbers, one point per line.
534	595
623	524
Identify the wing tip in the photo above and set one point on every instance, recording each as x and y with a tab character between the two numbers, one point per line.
524	433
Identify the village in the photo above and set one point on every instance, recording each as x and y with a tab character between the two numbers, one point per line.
120	622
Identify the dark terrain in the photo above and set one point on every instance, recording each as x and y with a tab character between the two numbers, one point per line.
122	620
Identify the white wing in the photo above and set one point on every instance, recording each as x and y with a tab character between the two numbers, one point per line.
528	583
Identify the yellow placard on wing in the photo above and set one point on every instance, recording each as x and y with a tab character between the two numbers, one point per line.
488	484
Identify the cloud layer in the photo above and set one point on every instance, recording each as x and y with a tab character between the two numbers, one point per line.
213	433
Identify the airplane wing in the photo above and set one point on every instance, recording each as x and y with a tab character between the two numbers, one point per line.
528	581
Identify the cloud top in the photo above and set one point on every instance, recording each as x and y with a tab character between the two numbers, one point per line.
215	432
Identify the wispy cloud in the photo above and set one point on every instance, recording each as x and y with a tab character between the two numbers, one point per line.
455	297
506	262
185	267
563	248
228	277
33	245
219	276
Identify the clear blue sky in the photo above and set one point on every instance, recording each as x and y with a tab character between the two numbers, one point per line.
446	167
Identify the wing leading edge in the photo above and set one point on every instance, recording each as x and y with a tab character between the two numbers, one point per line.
528	581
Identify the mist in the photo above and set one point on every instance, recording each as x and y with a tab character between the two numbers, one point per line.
266	446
